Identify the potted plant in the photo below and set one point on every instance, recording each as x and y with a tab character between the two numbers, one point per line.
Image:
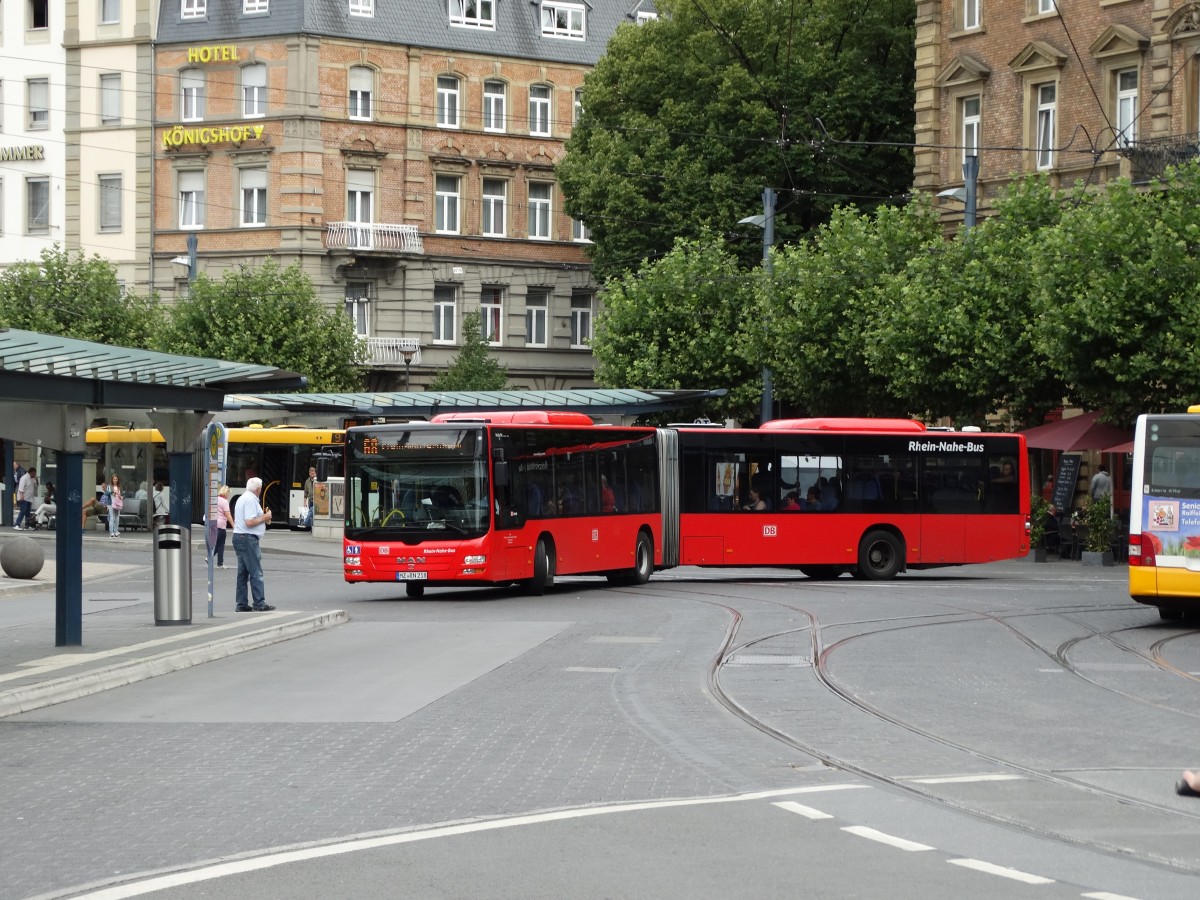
1038	506
1101	527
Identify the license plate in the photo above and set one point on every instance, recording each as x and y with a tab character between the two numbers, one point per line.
412	576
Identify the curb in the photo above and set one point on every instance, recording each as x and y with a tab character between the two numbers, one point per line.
72	687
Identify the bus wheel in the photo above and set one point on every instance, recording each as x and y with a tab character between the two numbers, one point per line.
822	573
414	589
1170	613
879	555
643	560
543	569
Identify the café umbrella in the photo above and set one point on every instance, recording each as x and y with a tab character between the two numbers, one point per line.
1085	432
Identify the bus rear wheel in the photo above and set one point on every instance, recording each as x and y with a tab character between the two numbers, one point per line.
543	569
1170	613
414	589
643	564
880	554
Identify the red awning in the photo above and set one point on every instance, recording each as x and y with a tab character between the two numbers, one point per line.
1083	432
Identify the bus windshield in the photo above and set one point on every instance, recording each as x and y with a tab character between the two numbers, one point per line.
417	485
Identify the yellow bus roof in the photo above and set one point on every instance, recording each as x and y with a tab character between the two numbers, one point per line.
278	434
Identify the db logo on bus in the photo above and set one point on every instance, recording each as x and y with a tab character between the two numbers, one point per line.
769	531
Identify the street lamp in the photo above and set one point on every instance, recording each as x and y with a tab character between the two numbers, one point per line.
767	223
408	355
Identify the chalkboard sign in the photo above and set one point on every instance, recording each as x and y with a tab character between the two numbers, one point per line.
1064	482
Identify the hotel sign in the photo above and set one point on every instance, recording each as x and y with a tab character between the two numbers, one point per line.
29	151
180	136
215	53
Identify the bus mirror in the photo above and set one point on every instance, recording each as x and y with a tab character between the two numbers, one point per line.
501	470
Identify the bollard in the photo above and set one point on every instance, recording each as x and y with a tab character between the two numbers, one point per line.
172	575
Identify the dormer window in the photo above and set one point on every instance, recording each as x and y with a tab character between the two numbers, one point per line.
565	20
254	7
193	9
473	13
362	8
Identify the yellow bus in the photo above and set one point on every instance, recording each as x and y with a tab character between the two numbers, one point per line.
280	455
1164	517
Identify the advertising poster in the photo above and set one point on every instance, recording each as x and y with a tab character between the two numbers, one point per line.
1173	525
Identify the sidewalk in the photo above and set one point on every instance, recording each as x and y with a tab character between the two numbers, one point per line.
122	644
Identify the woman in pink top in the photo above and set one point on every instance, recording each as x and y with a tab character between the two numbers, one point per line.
224	520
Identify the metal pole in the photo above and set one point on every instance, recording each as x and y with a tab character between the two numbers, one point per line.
768	196
970	179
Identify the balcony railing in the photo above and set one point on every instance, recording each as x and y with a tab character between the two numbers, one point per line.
379	237
383	351
1150	158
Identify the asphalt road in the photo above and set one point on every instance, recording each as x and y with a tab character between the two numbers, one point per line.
1010	730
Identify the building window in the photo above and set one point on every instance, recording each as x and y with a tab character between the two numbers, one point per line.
565	20
254	91
970	126
446	204
37	207
581	319
191	199
193	9
252	7
495	192
1046	109
358	306
447	101
539	210
580	232
644	16
1127	107
1046	6
494	98
475	13
362	80
362	8
491	306
39	103
254	197
109	202
445	303
537	303
970	14
577	109
360	186
39	14
110	99
539	109
110	12
191	83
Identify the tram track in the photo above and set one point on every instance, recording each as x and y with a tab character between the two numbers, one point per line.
821	653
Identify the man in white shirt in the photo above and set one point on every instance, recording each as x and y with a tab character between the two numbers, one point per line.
27	492
249	525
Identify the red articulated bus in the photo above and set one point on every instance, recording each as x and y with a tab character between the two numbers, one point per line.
520	497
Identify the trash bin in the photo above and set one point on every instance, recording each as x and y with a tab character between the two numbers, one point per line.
172	575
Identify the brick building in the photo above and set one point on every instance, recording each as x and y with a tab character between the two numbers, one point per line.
1081	89
403	153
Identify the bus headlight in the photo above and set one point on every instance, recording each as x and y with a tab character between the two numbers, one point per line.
353	561
477	560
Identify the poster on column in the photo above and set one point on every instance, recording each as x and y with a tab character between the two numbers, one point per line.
215	446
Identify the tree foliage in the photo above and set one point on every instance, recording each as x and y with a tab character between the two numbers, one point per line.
688	117
76	296
472	369
683	321
267	316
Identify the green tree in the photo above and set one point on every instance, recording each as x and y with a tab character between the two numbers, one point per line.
684	321
1117	281
826	302
687	118
76	296
472	369
267	316
957	337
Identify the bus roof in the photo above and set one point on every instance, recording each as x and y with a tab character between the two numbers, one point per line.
843	424
518	417
277	434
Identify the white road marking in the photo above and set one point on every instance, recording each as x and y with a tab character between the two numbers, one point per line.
966	779
1052	671
899	843
807	811
1105	895
270	860
1003	871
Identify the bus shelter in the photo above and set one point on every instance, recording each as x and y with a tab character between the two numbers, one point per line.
52	388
